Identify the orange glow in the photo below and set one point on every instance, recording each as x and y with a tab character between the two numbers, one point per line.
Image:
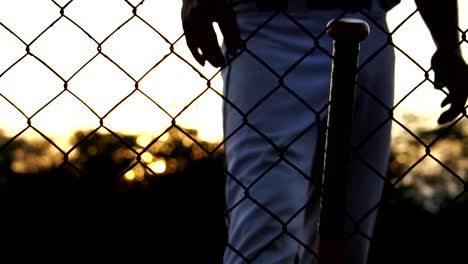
159	166
139	173
130	175
164	137
143	140
18	167
146	157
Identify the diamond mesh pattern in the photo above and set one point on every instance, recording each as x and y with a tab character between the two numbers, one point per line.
128	63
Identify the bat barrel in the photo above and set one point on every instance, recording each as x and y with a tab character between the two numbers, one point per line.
347	34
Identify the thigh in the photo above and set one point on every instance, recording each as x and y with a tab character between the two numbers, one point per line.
271	123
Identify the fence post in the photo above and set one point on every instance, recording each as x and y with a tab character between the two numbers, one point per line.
347	33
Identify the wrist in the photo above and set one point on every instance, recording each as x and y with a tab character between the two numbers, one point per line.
444	63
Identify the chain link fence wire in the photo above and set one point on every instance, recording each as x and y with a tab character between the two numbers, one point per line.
104	96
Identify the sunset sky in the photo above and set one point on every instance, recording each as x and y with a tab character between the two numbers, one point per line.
136	47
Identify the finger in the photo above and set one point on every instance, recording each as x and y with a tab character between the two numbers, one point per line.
445	102
210	48
438	83
457	107
194	48
228	25
447	116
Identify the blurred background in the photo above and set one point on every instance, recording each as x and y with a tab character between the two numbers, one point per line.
111	134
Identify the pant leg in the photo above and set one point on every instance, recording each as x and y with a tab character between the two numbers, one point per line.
270	143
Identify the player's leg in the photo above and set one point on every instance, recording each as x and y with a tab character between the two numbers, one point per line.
271	143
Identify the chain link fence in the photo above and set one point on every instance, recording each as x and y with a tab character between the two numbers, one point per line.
104	96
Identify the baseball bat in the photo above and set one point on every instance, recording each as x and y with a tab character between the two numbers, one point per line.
347	33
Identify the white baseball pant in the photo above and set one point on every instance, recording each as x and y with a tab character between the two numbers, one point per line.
271	129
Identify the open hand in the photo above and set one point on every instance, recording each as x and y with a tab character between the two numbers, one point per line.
197	20
451	72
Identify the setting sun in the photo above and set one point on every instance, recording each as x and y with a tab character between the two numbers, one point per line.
134	75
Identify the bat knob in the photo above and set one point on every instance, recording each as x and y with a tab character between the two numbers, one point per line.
348	29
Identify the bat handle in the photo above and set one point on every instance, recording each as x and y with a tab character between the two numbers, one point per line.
347	34
348	29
